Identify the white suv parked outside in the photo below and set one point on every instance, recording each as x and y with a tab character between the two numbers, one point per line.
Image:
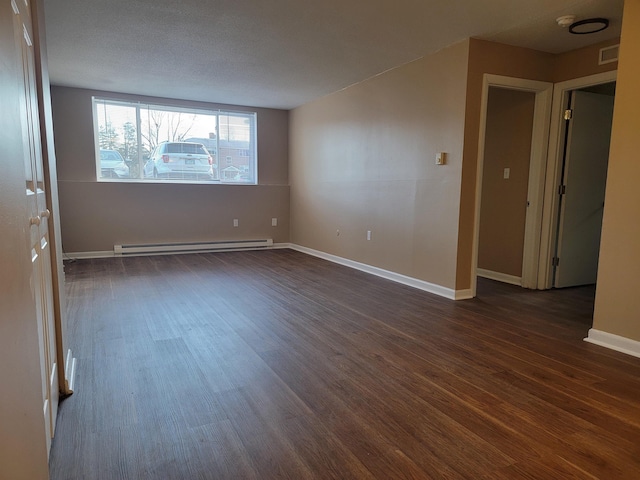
180	161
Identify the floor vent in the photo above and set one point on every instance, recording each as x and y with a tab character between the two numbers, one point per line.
608	54
196	247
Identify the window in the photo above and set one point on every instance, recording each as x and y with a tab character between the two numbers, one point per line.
137	142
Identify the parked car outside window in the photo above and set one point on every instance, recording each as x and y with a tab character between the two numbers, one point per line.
112	165
180	161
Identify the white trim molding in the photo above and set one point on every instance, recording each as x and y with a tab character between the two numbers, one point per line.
389	275
614	342
69	373
87	255
500	277
463	294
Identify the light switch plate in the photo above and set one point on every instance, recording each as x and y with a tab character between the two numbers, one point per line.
441	158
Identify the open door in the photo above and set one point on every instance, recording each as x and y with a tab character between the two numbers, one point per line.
582	189
38	220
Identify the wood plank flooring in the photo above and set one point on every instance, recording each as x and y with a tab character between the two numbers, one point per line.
278	365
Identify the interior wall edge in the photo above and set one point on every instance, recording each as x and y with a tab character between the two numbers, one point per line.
617	304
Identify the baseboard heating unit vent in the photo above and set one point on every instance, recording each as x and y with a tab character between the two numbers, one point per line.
197	247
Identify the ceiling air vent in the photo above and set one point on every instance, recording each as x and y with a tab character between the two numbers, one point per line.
608	54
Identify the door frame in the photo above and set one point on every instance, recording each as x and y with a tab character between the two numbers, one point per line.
549	227
537	167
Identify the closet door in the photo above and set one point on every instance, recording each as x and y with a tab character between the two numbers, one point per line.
38	215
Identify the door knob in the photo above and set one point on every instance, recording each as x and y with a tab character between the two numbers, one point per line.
34	221
45	214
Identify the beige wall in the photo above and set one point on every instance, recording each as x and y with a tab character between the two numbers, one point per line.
23	454
364	159
617	307
503	206
97	215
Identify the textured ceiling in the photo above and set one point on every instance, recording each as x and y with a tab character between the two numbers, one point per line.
283	53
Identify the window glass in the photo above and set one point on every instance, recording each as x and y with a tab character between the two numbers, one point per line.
137	142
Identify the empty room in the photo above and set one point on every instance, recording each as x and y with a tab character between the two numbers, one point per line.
268	240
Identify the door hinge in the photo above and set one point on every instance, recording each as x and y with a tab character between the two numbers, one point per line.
568	114
555	261
562	189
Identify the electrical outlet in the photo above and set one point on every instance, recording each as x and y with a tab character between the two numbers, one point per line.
274	222
368	234
235	222
507	173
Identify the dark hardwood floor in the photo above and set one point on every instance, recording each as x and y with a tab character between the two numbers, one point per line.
278	365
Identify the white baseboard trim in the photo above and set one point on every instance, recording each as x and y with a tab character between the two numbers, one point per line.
393	276
464	294
70	373
500	277
86	255
110	253
614	342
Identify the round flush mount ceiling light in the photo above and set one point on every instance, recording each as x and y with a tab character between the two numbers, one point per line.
565	20
590	25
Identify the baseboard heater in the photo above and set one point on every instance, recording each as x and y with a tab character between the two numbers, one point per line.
196	247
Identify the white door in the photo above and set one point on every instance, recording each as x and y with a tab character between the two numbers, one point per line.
38	219
584	179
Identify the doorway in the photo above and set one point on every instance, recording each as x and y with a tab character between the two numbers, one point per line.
535	98
575	183
505	177
588	120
